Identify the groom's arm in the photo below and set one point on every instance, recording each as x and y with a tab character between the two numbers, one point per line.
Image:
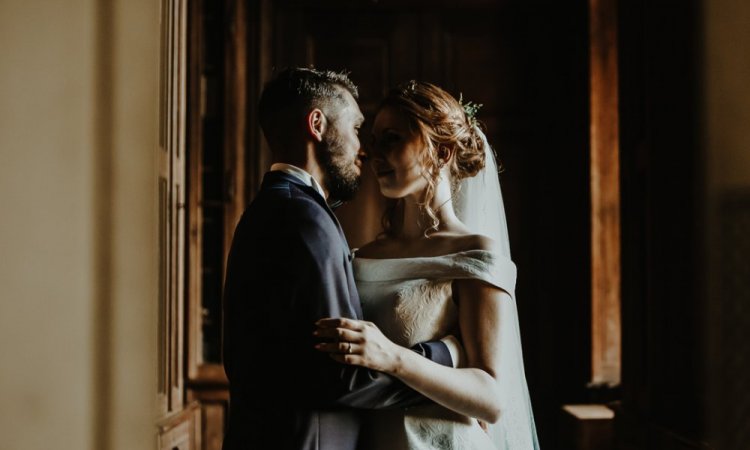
360	387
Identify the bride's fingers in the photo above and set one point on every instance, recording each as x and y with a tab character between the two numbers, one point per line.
343	348
339	334
340	322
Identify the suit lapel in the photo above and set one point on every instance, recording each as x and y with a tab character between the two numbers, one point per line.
278	176
314	194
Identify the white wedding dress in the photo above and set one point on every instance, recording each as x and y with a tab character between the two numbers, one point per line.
410	300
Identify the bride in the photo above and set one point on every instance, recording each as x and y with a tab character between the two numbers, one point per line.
441	266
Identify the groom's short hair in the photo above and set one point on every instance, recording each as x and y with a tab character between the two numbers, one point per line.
293	93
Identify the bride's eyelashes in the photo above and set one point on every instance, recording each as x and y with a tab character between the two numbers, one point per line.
389	138
385	141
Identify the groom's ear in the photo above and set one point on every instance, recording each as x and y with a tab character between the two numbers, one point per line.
316	124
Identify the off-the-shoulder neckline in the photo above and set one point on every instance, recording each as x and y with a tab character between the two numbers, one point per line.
403	258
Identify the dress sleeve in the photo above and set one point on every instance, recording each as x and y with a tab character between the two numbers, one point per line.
490	267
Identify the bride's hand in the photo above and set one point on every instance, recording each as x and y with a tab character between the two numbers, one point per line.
359	343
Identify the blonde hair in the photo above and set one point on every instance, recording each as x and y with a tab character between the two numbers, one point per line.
441	122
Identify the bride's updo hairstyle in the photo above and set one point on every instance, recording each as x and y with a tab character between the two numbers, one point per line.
444	127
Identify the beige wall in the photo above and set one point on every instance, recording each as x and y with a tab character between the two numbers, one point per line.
78	230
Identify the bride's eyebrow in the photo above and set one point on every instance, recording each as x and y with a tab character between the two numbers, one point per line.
386	130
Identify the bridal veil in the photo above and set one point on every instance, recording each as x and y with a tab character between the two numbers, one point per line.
479	205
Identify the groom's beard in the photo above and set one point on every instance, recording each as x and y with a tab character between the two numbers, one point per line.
342	180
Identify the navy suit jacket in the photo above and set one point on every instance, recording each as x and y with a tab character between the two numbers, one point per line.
289	266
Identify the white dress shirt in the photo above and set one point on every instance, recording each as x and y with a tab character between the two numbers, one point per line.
301	175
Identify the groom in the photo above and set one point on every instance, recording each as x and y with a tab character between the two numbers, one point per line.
289	266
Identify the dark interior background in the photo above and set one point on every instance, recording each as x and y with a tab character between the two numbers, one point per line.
527	63
684	330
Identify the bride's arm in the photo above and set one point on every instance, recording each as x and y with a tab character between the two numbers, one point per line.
473	390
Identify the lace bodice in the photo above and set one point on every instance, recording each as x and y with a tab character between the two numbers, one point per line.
411	301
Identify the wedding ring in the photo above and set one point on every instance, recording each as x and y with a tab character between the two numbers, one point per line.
349	348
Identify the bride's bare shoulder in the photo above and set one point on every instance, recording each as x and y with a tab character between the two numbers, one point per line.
468	242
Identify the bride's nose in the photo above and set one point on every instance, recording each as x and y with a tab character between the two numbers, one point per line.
374	151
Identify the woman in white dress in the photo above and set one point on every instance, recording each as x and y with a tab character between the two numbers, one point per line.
441	267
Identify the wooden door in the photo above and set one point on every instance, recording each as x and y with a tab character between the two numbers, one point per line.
171	205
216	108
178	426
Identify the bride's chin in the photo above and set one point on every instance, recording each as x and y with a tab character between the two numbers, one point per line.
393	189
389	193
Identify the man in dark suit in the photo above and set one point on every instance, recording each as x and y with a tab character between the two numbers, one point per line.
289	266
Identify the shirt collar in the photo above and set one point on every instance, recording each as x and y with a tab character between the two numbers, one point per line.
301	175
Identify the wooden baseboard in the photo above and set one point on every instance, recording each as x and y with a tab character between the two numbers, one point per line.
587	427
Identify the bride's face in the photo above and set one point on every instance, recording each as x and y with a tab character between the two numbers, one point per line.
395	155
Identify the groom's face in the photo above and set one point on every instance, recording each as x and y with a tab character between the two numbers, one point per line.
340	152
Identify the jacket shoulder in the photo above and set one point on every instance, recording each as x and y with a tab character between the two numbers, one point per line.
289	203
